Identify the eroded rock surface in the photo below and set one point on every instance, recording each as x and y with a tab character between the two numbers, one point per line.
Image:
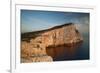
34	52
66	34
34	44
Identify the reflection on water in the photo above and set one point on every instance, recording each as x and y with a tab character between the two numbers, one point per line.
79	51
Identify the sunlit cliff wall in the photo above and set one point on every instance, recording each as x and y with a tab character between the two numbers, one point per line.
35	49
64	34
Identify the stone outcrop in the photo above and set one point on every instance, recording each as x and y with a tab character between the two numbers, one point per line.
35	49
41	58
60	35
33	52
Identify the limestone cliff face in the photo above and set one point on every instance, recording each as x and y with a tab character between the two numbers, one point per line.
34	52
65	34
35	49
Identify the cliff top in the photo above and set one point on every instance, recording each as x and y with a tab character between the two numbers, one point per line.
55	27
36	33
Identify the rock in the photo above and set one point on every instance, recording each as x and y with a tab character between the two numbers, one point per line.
34	52
34	49
26	60
42	59
28	49
65	34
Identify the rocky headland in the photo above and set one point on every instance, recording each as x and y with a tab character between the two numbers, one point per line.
34	44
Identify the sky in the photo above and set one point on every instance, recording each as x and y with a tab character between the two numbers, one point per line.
33	20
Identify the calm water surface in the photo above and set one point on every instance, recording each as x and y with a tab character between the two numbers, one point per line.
79	51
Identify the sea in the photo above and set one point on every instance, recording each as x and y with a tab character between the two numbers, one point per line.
79	51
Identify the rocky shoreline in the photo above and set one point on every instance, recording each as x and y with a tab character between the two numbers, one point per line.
34	50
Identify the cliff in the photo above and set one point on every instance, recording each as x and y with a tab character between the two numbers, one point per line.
66	34
33	52
34	44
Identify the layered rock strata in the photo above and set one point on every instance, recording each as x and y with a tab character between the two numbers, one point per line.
64	34
34	52
34	44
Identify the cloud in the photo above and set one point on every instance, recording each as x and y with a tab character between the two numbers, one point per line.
83	24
